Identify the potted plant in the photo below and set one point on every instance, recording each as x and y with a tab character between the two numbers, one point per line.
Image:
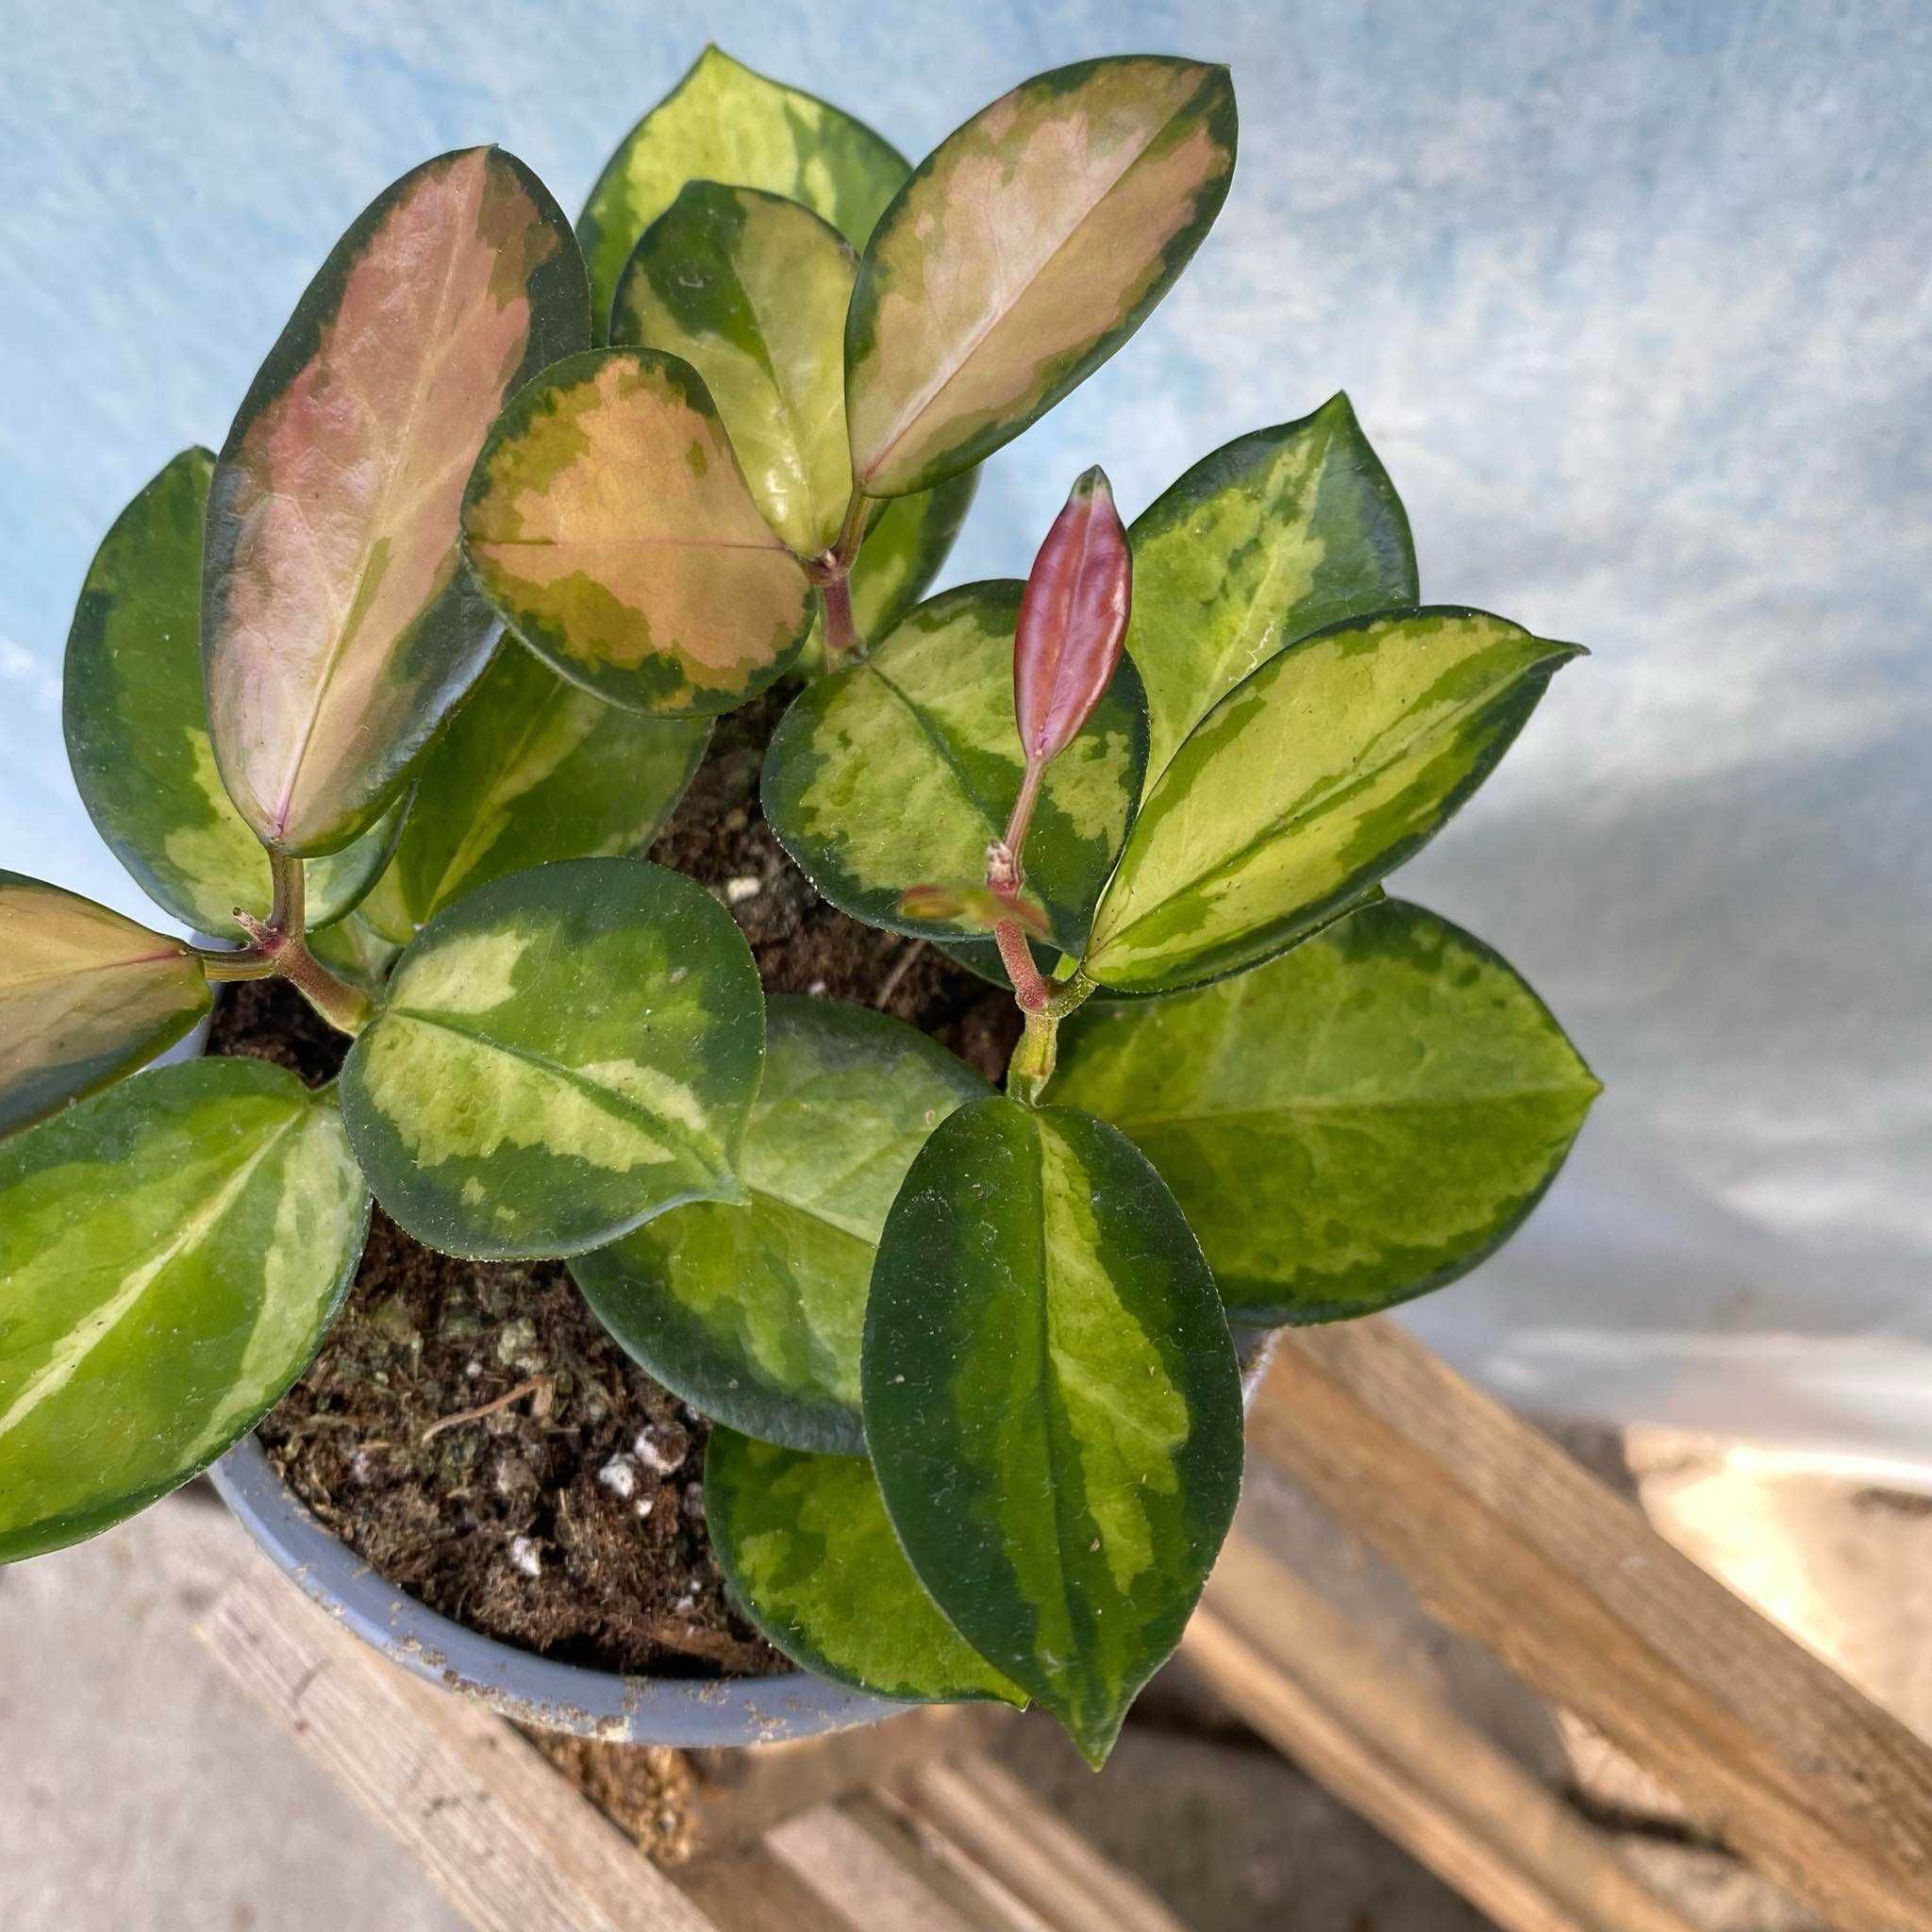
384	698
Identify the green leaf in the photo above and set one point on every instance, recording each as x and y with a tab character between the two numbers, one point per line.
338	630
753	1315
1351	1125
355	951
136	719
806	1549
85	996
1341	757
899	771
751	291
1276	534
558	1056
609	523
723	123
533	768
171	1254
1052	1403
1022	253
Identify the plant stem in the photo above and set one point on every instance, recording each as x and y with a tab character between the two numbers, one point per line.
833	575
1038	1053
841	635
276	947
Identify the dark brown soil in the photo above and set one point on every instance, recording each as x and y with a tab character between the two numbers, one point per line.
469	1428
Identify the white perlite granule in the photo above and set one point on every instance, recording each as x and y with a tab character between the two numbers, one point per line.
620	1476
523	1554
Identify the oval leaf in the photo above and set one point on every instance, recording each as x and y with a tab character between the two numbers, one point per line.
1337	759
85	996
560	1056
1024	251
900	771
1349	1127
754	1314
171	1253
338	630
355	950
136	720
808	1551
1071	620
1052	1403
609	523
751	291
533	769
723	123
1276	534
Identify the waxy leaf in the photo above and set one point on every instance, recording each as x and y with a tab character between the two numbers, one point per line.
754	1313
1325	769
609	523
900	771
533	769
85	996
1022	252
1350	1125
1276	534
905	541
807	1550
171	1253
558	1056
353	949
1052	1403
338	630
751	289
977	906
136	719
1072	619
723	123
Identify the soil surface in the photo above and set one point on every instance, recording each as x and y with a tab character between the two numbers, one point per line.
469	1428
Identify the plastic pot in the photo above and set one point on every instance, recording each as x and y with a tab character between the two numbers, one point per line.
519	1684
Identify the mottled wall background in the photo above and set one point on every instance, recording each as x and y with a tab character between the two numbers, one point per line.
1633	297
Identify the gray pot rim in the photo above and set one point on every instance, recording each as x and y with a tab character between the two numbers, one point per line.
536	1691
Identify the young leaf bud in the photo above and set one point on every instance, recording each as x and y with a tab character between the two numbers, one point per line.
1072	619
978	905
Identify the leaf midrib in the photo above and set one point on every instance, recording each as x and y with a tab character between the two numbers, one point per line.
1341	784
1130	1124
57	1372
661	1125
914	412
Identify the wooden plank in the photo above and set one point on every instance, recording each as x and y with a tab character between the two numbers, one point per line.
1506	1538
992	1823
743	1794
1393	1749
869	1874
508	1841
752	1889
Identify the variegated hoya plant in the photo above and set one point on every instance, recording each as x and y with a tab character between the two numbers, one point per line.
382	697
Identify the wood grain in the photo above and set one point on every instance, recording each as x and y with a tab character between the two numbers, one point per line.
508	1842
1389	1746
1508	1539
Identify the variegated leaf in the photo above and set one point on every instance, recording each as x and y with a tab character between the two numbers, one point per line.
353	950
609	523
1276	534
899	771
723	123
1022	253
339	629
1052	1403
171	1253
136	719
558	1056
753	1315
85	996
751	291
533	768
1317	774
807	1550
1352	1124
